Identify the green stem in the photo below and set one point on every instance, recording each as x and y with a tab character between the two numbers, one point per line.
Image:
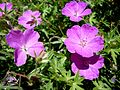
19	82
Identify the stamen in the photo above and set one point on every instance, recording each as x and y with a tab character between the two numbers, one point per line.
83	43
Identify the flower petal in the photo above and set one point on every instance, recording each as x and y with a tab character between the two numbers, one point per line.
9	6
20	57
14	38
82	6
21	20
30	37
35	49
99	64
69	45
86	12
2	6
80	62
67	12
97	43
74	68
36	14
88	31
91	73
69	9
27	13
73	33
39	20
92	60
75	18
85	52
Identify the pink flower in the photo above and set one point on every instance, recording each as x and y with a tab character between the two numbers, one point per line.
30	19
76	10
84	40
24	43
87	67
8	7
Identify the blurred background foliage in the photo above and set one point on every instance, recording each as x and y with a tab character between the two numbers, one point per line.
53	71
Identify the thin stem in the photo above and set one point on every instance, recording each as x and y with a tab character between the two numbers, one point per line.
18	74
35	62
61	31
19	82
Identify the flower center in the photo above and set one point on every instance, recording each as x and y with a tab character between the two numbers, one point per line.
83	43
76	14
33	21
24	49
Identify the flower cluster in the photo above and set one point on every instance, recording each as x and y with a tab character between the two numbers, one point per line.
83	42
5	7
25	43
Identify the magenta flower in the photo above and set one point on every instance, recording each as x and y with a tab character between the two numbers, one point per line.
76	10
84	40
30	19
24	43
7	6
87	67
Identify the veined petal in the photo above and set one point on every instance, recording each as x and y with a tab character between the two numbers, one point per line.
73	33
74	68
75	18
86	12
88	31
69	45
30	37
14	38
91	73
67	12
69	9
21	20
36	14
20	57
35	49
27	13
99	64
97	43
73	5
82	6
85	52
